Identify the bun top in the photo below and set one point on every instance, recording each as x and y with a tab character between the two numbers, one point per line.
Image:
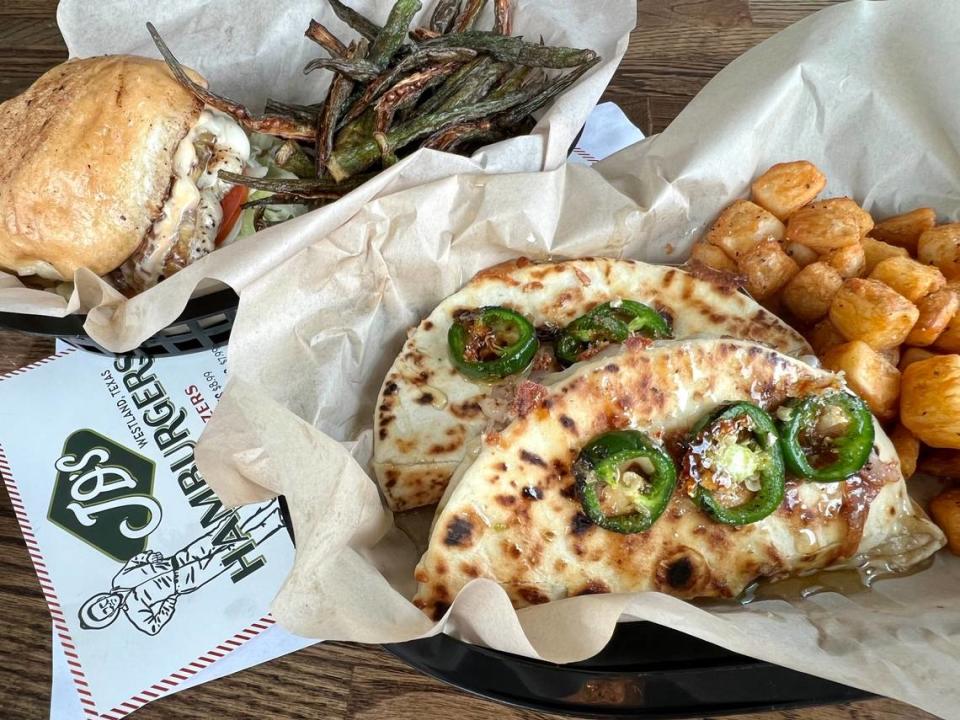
86	156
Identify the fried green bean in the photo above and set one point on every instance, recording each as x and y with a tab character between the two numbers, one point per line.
545	93
333	107
515	50
367	28
432	103
444	16
279	125
358	70
512	80
306	113
502	17
315	189
475	85
389	77
406	92
468	17
356	158
391	37
324	38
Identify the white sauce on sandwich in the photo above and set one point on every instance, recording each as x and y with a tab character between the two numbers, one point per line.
193	205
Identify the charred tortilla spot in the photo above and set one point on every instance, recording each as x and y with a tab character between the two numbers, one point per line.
506	500
469	570
532	492
466	410
502	466
533	595
560	565
568	423
685	570
427	325
532	286
390	389
532	458
425	399
441	567
459	532
668	277
382	432
511	549
612	368
593	587
570	491
580	524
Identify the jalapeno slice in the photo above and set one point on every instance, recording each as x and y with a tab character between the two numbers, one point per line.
624	481
491	342
835	425
737	444
611	322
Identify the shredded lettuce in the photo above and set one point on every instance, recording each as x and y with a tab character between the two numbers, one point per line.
262	163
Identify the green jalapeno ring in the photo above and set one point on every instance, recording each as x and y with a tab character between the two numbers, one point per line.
640	317
600	461
608	323
772	490
510	359
853	447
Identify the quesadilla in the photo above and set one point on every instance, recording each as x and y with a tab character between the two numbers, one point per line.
429	408
692	468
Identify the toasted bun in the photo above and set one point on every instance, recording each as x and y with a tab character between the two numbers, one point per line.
86	159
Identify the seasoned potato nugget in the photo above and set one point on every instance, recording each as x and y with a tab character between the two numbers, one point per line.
849	261
712	256
870	311
787	187
930	404
911	355
876	251
940	246
949	339
824	336
868	375
936	311
904	230
741	226
767	268
801	254
945	511
891	355
911	279
810	293
908	449
827	225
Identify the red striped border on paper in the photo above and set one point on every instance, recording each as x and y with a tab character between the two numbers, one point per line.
585	155
60	622
38	363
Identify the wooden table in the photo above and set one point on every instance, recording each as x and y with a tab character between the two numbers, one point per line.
678	47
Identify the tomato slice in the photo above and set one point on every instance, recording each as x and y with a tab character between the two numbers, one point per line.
232	205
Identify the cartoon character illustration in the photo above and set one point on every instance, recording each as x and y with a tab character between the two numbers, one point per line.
147	588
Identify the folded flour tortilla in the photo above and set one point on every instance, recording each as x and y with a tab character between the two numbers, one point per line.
513	515
427	412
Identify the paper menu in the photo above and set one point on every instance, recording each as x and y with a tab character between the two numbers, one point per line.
149	579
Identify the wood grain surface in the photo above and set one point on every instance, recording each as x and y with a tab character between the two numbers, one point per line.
677	47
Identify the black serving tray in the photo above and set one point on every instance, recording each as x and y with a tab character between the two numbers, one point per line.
204	324
645	671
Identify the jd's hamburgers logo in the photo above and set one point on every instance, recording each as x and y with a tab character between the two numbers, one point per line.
103	495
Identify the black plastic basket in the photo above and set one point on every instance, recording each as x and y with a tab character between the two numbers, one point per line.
204	324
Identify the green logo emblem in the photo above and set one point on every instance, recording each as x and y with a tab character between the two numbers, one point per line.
103	495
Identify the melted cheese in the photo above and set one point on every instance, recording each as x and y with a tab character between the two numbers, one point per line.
193	205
